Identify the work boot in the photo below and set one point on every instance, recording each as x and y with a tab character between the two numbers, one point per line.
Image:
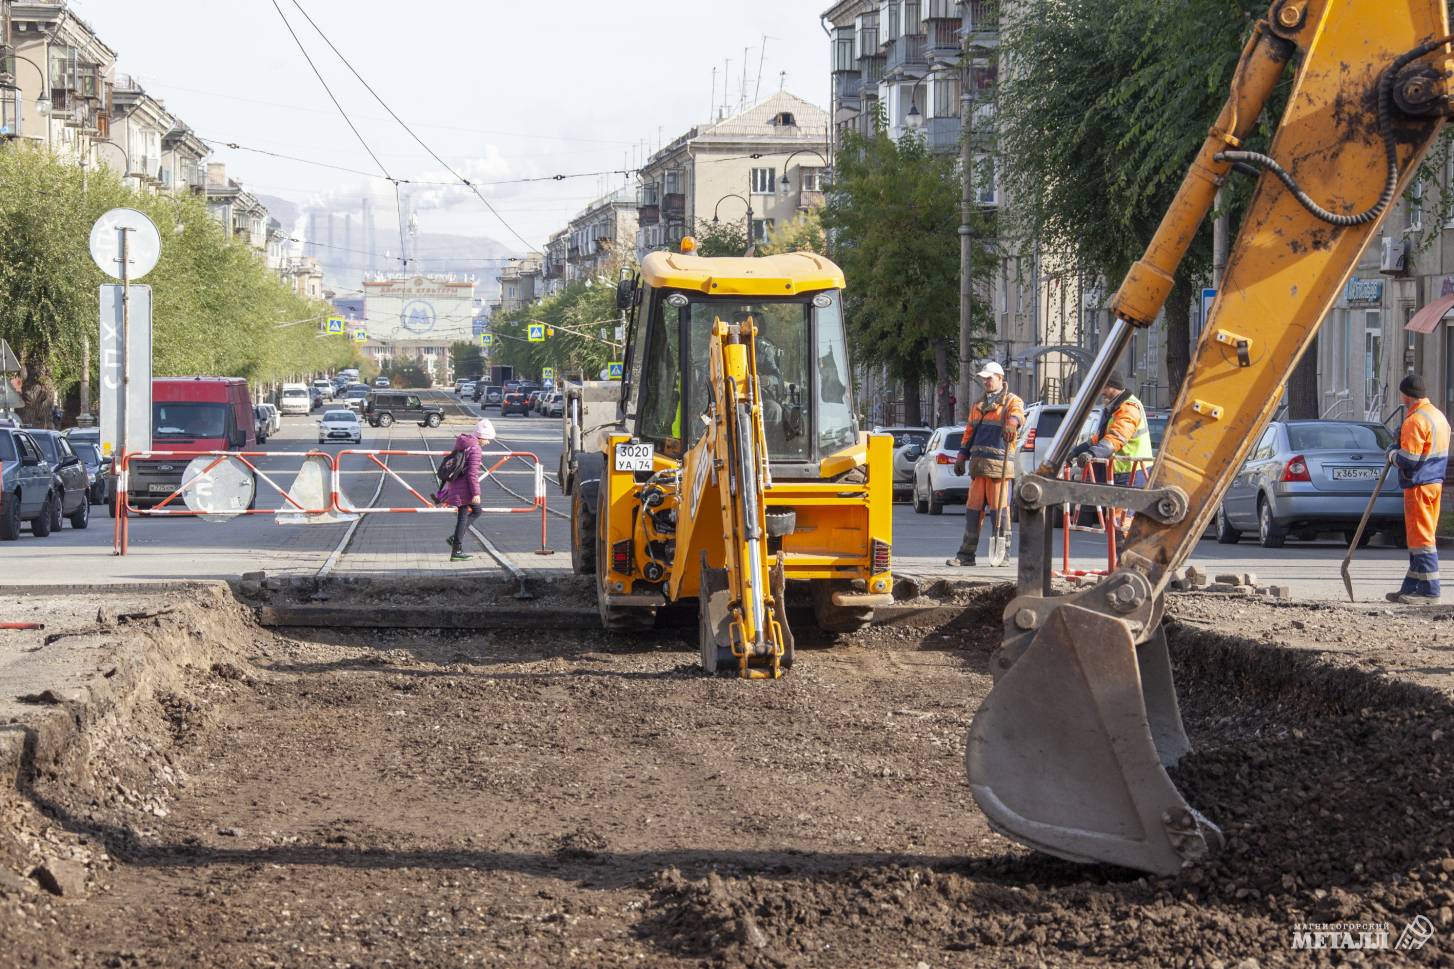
970	545
1409	598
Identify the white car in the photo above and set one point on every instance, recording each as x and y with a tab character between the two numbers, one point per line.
905	437
935	483
381	381
466	388
295	399
275	420
340	426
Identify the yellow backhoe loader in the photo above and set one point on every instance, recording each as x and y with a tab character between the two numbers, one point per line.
734	467
1069	751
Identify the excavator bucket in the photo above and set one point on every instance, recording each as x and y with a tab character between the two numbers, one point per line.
1063	755
714	618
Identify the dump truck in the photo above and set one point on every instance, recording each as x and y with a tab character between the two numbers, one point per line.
732	470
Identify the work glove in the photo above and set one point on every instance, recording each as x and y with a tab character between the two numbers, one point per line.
1081	454
1009	433
959	466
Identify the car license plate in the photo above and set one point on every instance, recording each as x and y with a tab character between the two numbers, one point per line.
634	457
1354	474
161	489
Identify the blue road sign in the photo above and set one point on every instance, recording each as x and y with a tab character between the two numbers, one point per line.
615	369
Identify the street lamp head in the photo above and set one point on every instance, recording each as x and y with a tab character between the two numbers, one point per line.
914	118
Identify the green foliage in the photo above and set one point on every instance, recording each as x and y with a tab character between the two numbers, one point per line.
468	359
801	234
721	238
893	218
216	307
407	375
577	352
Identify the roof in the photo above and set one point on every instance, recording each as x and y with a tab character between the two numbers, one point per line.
757	121
783	275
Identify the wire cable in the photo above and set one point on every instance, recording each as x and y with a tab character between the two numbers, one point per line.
433	154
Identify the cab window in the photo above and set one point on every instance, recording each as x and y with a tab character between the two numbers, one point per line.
661	380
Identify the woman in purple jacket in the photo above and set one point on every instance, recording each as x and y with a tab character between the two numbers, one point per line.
464	491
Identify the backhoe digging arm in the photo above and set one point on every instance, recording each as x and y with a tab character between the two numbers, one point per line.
1084	777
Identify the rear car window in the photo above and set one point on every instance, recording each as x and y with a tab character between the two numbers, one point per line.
1334	436
7	448
1048	424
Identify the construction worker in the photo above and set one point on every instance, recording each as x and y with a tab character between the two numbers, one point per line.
1422	454
989	434
1122	435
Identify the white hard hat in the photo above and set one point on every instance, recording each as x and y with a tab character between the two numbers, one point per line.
991	369
485	429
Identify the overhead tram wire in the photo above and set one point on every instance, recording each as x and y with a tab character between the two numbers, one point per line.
382	103
398	203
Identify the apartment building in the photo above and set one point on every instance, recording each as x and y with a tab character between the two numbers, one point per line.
521	283
184	156
58	79
597	237
761	167
238	211
554	263
139	124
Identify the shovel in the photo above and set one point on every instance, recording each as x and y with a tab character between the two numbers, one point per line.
1362	524
1000	538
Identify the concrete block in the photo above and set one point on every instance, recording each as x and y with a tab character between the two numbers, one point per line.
1279	592
1249	578
1220	586
1229	578
1195	576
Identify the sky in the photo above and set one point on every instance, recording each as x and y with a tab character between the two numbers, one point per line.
499	90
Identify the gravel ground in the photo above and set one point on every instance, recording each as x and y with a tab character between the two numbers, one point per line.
364	798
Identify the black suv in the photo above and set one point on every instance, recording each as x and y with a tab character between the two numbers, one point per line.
384	407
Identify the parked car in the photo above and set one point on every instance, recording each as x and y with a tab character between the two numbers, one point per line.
78	434
191	415
1307	477
383	409
381	381
295	399
28	486
260	423
70	485
1042	423
515	404
275	420
905	439
532	400
98	468
553	405
935	483
340	424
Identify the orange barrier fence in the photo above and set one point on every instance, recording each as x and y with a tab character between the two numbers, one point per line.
1109	521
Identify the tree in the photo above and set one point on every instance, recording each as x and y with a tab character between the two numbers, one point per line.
716	238
468	359
216	309
1107	104
580	322
801	234
893	216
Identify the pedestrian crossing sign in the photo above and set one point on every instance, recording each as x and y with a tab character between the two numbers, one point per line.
547	373
360	336
486	339
615	369
335	324
537	333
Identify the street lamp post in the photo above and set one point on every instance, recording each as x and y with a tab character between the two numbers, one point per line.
7	83
800	151
747	200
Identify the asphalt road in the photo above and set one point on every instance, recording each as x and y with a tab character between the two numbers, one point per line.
414	543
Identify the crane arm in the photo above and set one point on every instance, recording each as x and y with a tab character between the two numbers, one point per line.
1086	780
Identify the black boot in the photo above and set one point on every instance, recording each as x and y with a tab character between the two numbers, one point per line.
970	543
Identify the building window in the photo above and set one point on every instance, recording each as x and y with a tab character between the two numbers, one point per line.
812	179
889	17
761	228
946	97
673	182
1416	205
764	181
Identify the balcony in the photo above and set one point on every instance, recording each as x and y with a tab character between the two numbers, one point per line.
941	135
905	53
811	200
942	38
674	206
648	214
983	27
847	87
873	71
932	10
868	41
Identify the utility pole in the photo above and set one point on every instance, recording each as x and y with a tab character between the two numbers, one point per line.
966	239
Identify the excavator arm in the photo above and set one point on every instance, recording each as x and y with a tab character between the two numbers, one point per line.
1084	777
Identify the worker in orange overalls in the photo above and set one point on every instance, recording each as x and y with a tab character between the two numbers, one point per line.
1422	455
989	436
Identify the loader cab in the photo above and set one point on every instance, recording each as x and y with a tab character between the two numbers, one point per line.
802	353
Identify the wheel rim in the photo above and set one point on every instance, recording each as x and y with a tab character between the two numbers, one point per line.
1264	523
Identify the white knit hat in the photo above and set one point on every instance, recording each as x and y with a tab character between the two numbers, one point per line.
485	429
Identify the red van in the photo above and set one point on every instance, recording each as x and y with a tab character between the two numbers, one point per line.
191	414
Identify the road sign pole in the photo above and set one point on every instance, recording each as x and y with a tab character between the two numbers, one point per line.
119	462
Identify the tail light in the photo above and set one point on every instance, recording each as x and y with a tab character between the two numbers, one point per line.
1029	444
879	554
621	557
1296	470
942	458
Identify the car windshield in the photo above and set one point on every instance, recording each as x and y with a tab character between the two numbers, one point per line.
89	454
357	392
47	446
1338	436
1048	424
295	393
341	416
188	420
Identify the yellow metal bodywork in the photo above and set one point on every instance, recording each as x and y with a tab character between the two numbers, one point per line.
787	274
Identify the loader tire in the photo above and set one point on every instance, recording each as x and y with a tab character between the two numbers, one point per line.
584	498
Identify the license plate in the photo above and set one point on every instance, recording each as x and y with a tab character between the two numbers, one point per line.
1354	474
634	457
161	489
